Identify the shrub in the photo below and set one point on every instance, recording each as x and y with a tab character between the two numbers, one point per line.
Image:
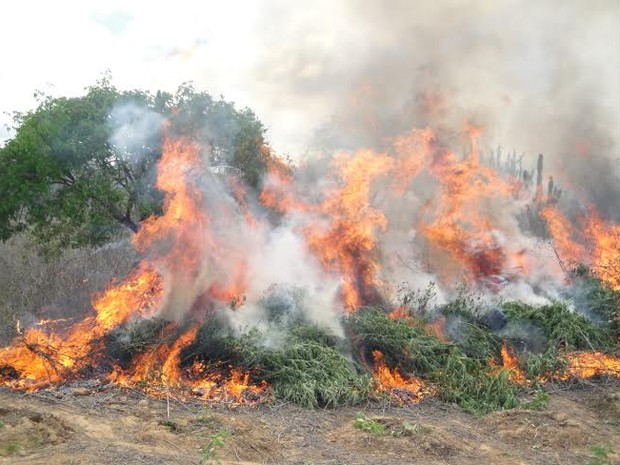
467	380
543	365
311	375
561	326
473	385
404	346
594	297
305	366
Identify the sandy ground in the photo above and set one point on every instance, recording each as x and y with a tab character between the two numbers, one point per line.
115	426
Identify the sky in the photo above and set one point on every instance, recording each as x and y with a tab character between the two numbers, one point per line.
297	64
63	46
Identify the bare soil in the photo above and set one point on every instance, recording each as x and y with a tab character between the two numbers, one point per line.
82	425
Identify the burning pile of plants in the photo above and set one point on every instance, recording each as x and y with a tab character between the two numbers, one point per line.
288	294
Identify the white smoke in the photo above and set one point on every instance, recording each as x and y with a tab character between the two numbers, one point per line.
135	130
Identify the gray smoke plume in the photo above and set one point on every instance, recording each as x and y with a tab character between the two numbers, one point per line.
541	77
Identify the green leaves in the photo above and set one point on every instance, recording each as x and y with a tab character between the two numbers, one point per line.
80	169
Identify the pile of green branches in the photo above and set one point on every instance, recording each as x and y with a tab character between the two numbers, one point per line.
312	374
304	364
595	297
135	337
469	381
313	367
562	326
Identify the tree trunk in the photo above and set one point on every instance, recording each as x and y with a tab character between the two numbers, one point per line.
125	221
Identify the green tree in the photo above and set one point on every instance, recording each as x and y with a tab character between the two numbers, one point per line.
78	170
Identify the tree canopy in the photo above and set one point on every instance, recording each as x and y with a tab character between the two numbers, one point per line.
79	169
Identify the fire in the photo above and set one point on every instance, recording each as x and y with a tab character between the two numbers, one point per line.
582	365
410	390
195	260
399	313
277	192
561	231
347	242
460	223
436	328
592	364
176	246
237	387
163	369
412	152
139	294
342	232
605	250
510	362
595	242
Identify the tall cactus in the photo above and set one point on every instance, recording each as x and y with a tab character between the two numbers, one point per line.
539	177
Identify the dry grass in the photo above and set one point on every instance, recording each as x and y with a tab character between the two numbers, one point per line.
32	288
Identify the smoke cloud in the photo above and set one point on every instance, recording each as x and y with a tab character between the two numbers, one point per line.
538	77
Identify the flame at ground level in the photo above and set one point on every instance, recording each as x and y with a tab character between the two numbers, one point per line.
390	381
592	365
162	370
582	365
510	362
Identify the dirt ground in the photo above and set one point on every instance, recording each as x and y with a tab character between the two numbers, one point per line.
80	425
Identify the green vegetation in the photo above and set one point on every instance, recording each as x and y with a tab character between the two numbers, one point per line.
535	366
599	300
465	380
388	427
78	170
600	455
135	337
562	327
11	448
474	385
403	346
303	367
538	402
312	375
368	425
217	440
313	368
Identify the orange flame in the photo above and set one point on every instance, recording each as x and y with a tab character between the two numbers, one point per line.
139	295
436	328
347	242
342	234
605	250
510	362
411	390
561	231
462	226
593	364
175	243
595	243
342	227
